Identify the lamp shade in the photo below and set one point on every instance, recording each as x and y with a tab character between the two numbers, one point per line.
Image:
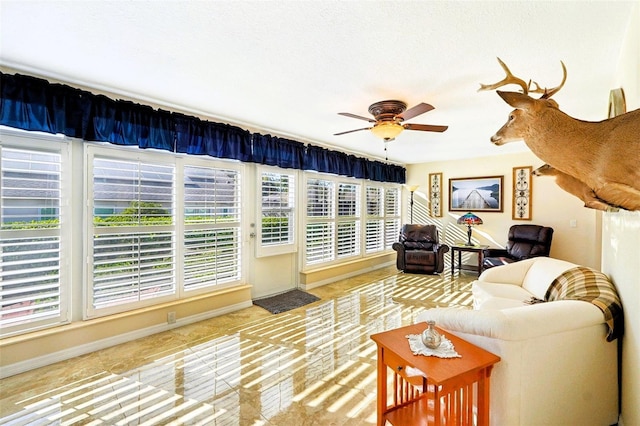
387	130
469	219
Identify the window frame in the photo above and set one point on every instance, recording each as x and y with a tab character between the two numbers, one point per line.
392	219
58	145
178	227
213	226
389	220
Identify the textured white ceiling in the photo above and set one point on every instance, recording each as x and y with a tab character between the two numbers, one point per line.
288	67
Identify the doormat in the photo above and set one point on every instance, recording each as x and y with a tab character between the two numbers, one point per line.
286	301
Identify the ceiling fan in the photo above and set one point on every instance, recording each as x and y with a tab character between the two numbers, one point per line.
389	117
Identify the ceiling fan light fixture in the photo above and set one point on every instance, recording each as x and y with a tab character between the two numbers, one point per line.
387	130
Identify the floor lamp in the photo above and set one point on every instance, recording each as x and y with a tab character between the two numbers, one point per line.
412	189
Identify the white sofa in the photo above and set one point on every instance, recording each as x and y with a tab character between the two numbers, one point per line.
556	367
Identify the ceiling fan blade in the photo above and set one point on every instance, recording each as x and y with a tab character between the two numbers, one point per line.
351	131
348	114
421	108
425	127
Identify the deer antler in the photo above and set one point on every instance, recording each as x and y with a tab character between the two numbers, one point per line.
509	79
526	88
550	92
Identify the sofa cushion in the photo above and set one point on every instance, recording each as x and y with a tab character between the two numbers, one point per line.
542	273
498	303
483	291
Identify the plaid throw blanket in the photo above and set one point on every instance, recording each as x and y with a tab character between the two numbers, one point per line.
582	283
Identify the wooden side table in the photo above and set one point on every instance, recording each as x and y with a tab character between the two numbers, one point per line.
459	248
448	393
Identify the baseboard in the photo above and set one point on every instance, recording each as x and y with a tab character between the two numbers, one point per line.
350	274
42	361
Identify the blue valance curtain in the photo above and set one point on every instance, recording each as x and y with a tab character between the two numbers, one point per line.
199	137
31	103
274	151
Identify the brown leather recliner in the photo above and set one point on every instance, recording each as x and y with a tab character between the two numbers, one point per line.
419	249
525	241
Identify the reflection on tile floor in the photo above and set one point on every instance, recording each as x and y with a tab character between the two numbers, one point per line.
314	365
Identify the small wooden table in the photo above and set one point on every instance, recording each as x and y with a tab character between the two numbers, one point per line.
459	248
446	395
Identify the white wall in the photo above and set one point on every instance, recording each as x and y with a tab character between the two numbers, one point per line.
621	242
551	207
621	262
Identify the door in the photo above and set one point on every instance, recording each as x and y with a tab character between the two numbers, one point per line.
272	242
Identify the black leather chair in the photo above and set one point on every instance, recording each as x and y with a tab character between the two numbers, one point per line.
525	241
419	250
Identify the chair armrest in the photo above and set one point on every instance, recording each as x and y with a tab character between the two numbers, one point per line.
495	252
441	249
399	247
400	262
519	323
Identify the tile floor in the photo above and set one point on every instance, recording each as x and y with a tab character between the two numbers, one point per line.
314	365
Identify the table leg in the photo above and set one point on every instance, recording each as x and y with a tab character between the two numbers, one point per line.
437	409
453	250
483	397
382	388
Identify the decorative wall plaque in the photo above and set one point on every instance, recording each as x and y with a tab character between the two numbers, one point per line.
435	194
522	193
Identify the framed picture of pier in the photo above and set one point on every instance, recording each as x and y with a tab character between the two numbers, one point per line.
480	194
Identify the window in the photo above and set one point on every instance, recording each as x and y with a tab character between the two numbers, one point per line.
348	235
374	237
276	233
133	250
333	220
157	227
212	226
34	225
383	217
161	226
391	216
320	235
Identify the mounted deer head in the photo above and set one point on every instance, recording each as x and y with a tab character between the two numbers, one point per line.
603	155
516	127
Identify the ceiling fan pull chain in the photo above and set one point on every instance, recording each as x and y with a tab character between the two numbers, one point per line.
385	150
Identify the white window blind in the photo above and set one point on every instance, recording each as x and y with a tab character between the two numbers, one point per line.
320	229
133	251
392	216
212	226
374	237
31	245
348	235
277	212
